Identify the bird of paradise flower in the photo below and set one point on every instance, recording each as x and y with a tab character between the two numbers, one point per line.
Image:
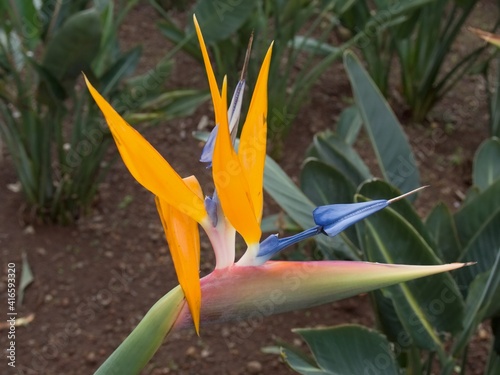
235	290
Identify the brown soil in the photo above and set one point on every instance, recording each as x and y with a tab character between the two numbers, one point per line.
96	279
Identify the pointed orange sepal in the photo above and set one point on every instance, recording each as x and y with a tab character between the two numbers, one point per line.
252	148
147	166
184	242
231	183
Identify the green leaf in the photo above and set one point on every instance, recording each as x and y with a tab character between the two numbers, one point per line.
483	248
424	306
26	278
49	85
388	321
312	45
486	168
74	46
441	225
330	149
394	155
135	352
125	65
346	350
220	19
478	210
349	125
379	189
482	302
324	184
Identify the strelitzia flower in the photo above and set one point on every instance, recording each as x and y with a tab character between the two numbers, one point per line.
236	290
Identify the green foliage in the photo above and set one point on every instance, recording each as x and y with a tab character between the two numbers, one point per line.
54	133
347	349
424	318
421	43
300	31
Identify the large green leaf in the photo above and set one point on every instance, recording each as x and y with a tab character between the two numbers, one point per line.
395	157
424	306
220	19
344	350
74	46
388	321
349	124
135	352
329	148
478	210
441	225
487	163
324	184
379	189
482	302
483	248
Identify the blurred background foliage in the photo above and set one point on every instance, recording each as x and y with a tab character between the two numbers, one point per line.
56	137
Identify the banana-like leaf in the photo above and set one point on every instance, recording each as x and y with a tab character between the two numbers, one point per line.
343	350
483	247
394	155
482	303
441	225
220	19
329	148
423	306
349	125
135	352
74	46
478	210
324	184
379	189
486	168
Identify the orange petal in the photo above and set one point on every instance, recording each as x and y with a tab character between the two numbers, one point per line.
212	82
231	183
252	148
184	243
147	166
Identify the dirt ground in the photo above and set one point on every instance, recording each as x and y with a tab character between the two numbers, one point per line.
96	279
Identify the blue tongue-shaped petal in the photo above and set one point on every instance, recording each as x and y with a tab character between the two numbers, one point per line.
330	220
233	115
334	218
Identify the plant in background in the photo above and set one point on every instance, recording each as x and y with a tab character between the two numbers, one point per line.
425	321
234	291
422	56
301	31
55	138
422	45
492	86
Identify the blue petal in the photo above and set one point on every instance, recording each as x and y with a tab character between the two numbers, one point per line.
272	244
211	207
208	149
335	218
